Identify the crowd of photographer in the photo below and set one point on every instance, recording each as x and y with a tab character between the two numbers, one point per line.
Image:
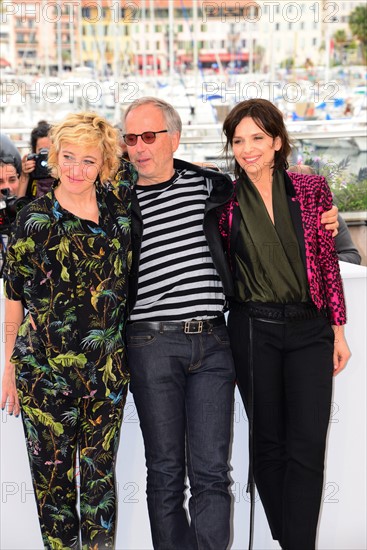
35	179
22	179
10	171
33	175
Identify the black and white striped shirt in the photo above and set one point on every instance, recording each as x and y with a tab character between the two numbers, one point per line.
177	277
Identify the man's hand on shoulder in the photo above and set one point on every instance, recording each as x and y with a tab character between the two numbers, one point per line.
329	218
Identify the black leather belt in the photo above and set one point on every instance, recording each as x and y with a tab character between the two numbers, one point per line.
280	312
194	326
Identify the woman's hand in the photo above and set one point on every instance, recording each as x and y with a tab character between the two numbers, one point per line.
341	349
9	394
13	317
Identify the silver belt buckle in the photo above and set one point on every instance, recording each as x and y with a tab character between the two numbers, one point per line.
187	327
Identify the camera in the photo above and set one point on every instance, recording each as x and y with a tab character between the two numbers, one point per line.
41	170
10	205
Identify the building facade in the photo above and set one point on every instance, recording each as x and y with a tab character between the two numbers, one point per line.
155	36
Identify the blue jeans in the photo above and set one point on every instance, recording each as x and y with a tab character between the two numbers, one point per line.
183	386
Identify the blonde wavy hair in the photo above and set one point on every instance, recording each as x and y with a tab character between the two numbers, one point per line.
87	129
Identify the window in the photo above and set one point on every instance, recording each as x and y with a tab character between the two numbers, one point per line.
161	13
180	13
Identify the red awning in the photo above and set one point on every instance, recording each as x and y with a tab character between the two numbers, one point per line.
223	57
149	59
4	62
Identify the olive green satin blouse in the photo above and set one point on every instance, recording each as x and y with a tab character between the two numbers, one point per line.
269	266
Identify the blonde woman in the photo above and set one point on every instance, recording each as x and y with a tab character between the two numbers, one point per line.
65	370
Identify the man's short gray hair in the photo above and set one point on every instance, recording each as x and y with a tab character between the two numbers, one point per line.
172	118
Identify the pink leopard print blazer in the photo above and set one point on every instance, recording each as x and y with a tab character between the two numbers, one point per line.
308	197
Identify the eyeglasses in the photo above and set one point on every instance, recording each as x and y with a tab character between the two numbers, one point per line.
147	137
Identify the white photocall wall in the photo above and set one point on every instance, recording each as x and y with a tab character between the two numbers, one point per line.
343	514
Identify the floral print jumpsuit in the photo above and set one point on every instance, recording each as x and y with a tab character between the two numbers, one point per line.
71	276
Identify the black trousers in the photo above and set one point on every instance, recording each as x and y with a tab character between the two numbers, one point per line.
284	373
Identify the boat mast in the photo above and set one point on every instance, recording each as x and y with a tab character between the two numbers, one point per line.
59	39
144	38
170	40
46	51
152	22
195	55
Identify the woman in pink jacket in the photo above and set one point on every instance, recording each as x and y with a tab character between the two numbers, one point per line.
285	320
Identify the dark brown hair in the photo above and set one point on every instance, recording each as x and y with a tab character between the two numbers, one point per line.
268	118
40	131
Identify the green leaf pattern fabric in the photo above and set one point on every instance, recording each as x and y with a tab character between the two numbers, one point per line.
71	276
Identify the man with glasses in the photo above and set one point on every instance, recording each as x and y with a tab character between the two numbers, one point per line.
182	373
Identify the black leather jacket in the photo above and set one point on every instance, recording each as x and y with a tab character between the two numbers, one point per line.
221	191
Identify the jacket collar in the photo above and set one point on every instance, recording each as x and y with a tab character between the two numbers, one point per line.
289	187
222	185
205	172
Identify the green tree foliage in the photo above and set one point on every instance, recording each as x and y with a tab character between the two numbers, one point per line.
358	26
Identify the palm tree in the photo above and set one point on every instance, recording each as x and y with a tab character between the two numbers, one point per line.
340	39
358	26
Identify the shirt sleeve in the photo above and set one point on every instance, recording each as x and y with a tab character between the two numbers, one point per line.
18	268
347	251
328	261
